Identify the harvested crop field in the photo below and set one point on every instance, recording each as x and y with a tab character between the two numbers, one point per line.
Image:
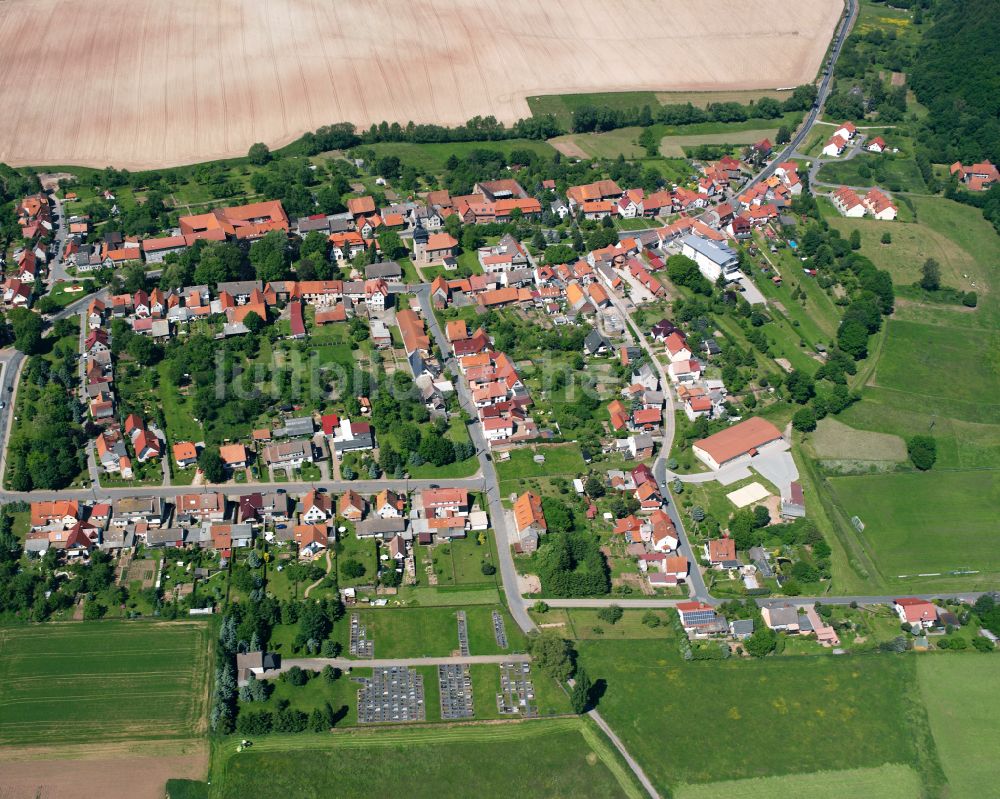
110	772
144	84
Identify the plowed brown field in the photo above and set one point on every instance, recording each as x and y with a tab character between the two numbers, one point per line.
147	83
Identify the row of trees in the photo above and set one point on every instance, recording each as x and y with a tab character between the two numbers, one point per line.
593	117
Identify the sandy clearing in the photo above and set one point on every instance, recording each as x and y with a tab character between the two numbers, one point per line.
143	83
110	772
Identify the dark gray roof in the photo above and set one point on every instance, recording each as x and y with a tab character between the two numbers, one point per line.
299	426
308	225
360	441
239	287
595	341
385	269
374	525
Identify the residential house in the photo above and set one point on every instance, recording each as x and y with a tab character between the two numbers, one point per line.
315	507
288	454
352	506
185	454
529	520
209	506
389	504
699	619
917	612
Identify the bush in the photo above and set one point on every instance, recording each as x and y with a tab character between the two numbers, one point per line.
804	420
982	644
611	614
922	451
352	569
650	619
969	299
295	676
488	569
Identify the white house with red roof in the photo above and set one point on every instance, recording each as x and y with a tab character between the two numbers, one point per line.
880	206
876	145
834	146
918	612
848	203
846	131
676	346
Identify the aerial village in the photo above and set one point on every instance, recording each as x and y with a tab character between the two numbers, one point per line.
423	314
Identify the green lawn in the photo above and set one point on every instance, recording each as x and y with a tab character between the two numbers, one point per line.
717	720
458	562
900	172
956	236
584	624
561	460
883	782
931	361
927	523
963	708
362	550
539	759
562	106
431	158
106	681
430	631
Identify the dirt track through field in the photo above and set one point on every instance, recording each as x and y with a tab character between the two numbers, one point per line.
149	83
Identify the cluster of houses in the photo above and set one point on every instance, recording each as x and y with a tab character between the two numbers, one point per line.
841	137
214	521
975	177
35	217
500	396
700	620
875	202
162	314
118	446
649	535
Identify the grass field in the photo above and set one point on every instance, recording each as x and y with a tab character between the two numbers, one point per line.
883	782
901	172
623	141
584	624
673	146
104	681
555	758
561	460
834	440
931	361
925	523
563	106
956	236
430	632
430	158
963	708
756	719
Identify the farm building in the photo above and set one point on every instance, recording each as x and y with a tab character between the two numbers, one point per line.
736	443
